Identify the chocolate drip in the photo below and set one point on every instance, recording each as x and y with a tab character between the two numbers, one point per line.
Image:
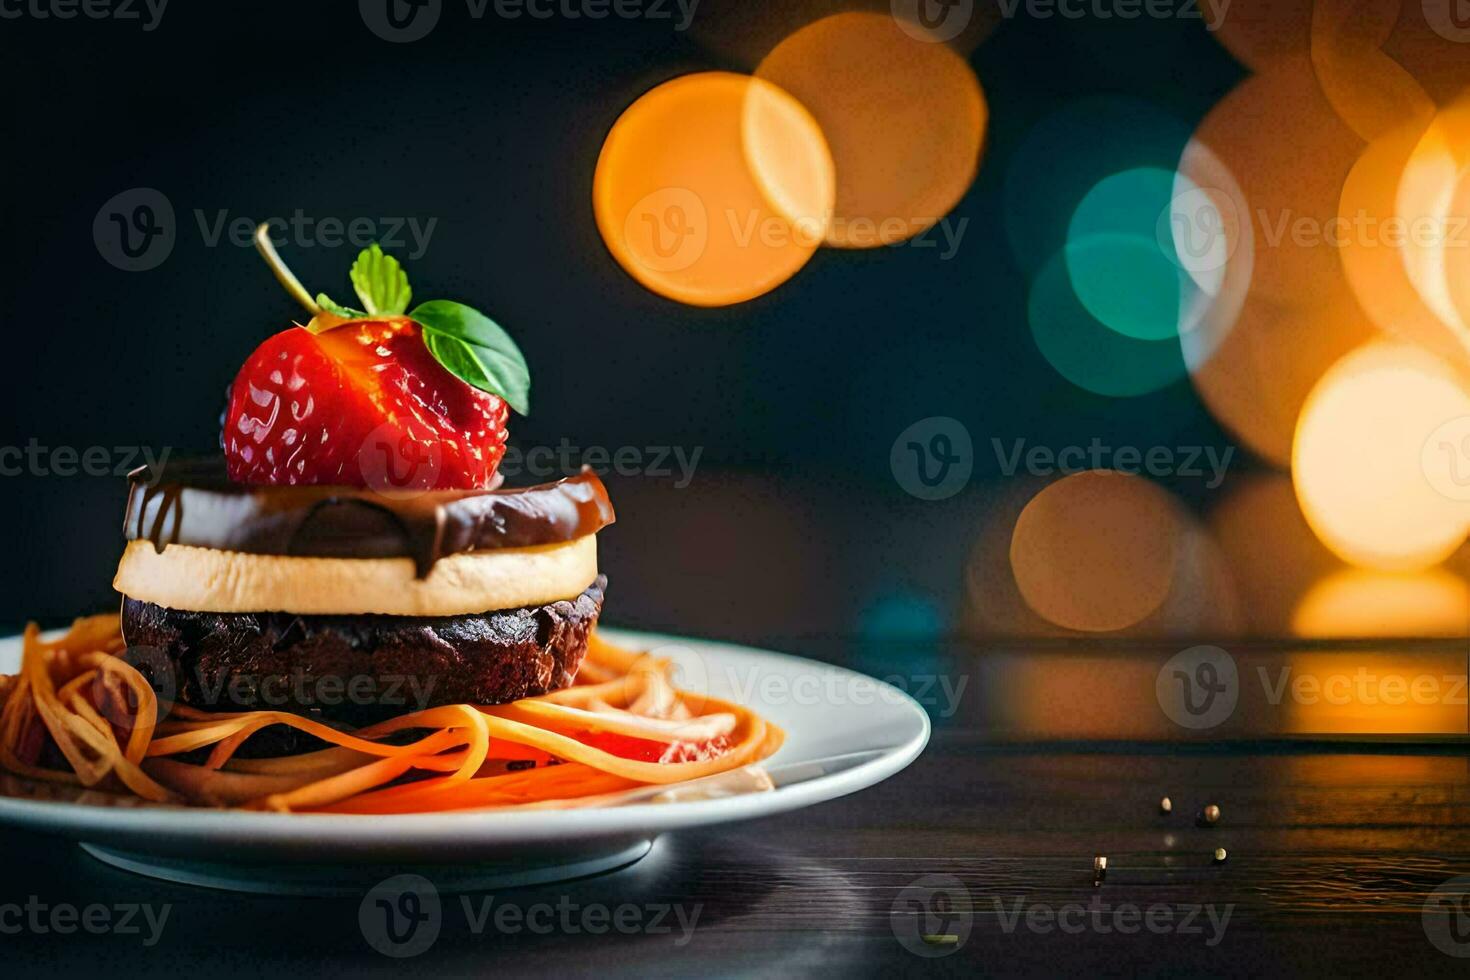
193	502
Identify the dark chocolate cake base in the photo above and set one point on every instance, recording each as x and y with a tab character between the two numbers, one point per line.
358	669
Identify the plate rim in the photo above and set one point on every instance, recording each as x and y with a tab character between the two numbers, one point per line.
202	825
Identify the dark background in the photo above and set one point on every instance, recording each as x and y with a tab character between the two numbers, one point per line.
793	524
793	527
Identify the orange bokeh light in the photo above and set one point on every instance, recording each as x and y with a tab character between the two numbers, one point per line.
1371	91
905	119
1255	357
1098	551
1430	45
1259	32
1273	556
1361	692
1357	602
680	206
995	607
1259	373
1374	261
1435	184
742	32
1262	133
1358	462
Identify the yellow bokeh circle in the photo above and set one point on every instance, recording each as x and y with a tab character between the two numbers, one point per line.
1359	462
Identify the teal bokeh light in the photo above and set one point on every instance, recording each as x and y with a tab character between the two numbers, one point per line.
1082	348
903	615
1121	269
1067	153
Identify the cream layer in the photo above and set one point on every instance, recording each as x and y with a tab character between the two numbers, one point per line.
209	580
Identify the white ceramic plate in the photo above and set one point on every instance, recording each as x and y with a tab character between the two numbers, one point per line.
844	732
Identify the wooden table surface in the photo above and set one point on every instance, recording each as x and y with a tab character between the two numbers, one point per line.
1334	851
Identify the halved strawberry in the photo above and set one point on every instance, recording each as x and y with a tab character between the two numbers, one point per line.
363	403
383	397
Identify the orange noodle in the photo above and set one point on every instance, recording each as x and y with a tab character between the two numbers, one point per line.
77	699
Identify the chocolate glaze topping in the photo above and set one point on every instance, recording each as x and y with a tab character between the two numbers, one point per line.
193	502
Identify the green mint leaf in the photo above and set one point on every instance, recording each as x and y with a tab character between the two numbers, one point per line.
475	349
343	311
380	282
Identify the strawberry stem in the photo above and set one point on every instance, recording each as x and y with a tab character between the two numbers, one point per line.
284	276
